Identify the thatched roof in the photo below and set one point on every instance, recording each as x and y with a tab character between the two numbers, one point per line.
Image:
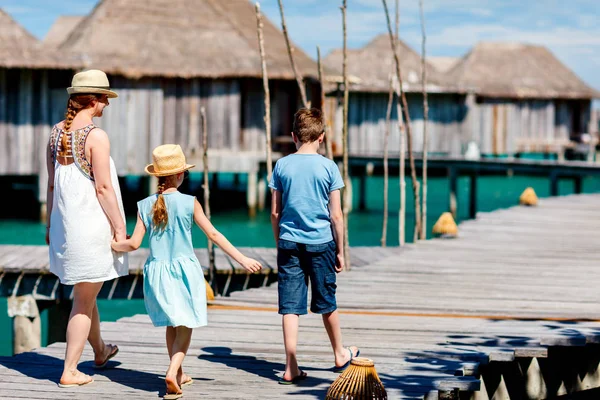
62	27
443	64
373	64
19	49
181	38
517	70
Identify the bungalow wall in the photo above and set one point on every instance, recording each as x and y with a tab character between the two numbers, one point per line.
366	123
148	112
508	126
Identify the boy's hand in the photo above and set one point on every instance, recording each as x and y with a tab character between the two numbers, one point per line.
339	262
250	265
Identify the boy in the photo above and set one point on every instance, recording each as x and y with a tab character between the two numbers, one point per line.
306	216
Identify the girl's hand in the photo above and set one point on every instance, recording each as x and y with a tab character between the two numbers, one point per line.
114	245
250	264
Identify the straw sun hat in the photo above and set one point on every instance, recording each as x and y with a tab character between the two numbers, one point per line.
168	159
92	81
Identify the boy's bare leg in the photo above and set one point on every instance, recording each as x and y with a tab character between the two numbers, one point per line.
334	331
290	324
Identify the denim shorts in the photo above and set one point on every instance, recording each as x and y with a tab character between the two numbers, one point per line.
297	264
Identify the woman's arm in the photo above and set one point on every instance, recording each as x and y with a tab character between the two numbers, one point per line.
275	213
99	146
133	243
49	191
217	238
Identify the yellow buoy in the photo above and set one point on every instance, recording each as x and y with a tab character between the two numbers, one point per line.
445	225
210	294
528	197
358	382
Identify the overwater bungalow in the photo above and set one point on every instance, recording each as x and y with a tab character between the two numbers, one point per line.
506	98
369	69
526	99
166	60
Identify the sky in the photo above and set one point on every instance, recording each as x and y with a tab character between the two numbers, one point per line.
570	29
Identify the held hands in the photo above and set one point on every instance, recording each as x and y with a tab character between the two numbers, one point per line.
339	262
250	264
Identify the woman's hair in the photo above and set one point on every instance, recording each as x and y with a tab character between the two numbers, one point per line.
160	217
76	103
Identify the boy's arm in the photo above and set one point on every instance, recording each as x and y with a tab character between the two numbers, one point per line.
217	238
134	242
337	222
276	213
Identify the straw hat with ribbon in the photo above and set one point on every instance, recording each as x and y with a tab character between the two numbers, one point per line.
92	81
168	159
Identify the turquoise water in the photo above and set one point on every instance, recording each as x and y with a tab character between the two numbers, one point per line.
364	226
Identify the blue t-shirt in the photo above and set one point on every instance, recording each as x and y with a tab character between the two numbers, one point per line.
305	181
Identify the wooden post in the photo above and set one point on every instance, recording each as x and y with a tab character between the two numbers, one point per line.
265	76
425	119
453	185
402	211
553	183
252	195
212	271
473	196
299	80
345	199
362	201
27	327
413	172
328	135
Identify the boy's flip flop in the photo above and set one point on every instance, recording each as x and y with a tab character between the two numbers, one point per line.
114	351
294	380
343	367
173	396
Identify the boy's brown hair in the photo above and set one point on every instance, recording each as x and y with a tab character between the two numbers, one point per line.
308	124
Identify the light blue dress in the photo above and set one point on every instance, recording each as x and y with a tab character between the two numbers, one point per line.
174	288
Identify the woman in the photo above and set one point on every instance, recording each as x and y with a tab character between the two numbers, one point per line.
85	213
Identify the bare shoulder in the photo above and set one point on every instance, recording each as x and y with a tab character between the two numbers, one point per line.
60	125
98	135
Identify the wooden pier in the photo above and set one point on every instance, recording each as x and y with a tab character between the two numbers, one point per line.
508	310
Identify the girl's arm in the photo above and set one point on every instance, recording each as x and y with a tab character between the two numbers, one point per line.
217	238
99	146
133	243
276	213
49	191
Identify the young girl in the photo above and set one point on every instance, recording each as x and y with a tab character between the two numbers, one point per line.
174	289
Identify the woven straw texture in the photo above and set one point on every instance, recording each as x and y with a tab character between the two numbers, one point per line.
358	382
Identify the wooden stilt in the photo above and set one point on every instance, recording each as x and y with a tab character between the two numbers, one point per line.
252	194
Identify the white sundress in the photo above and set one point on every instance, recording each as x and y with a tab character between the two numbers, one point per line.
80	232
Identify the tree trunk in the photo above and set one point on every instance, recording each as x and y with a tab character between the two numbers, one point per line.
301	88
265	76
413	172
212	271
386	174
328	133
425	119
345	201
